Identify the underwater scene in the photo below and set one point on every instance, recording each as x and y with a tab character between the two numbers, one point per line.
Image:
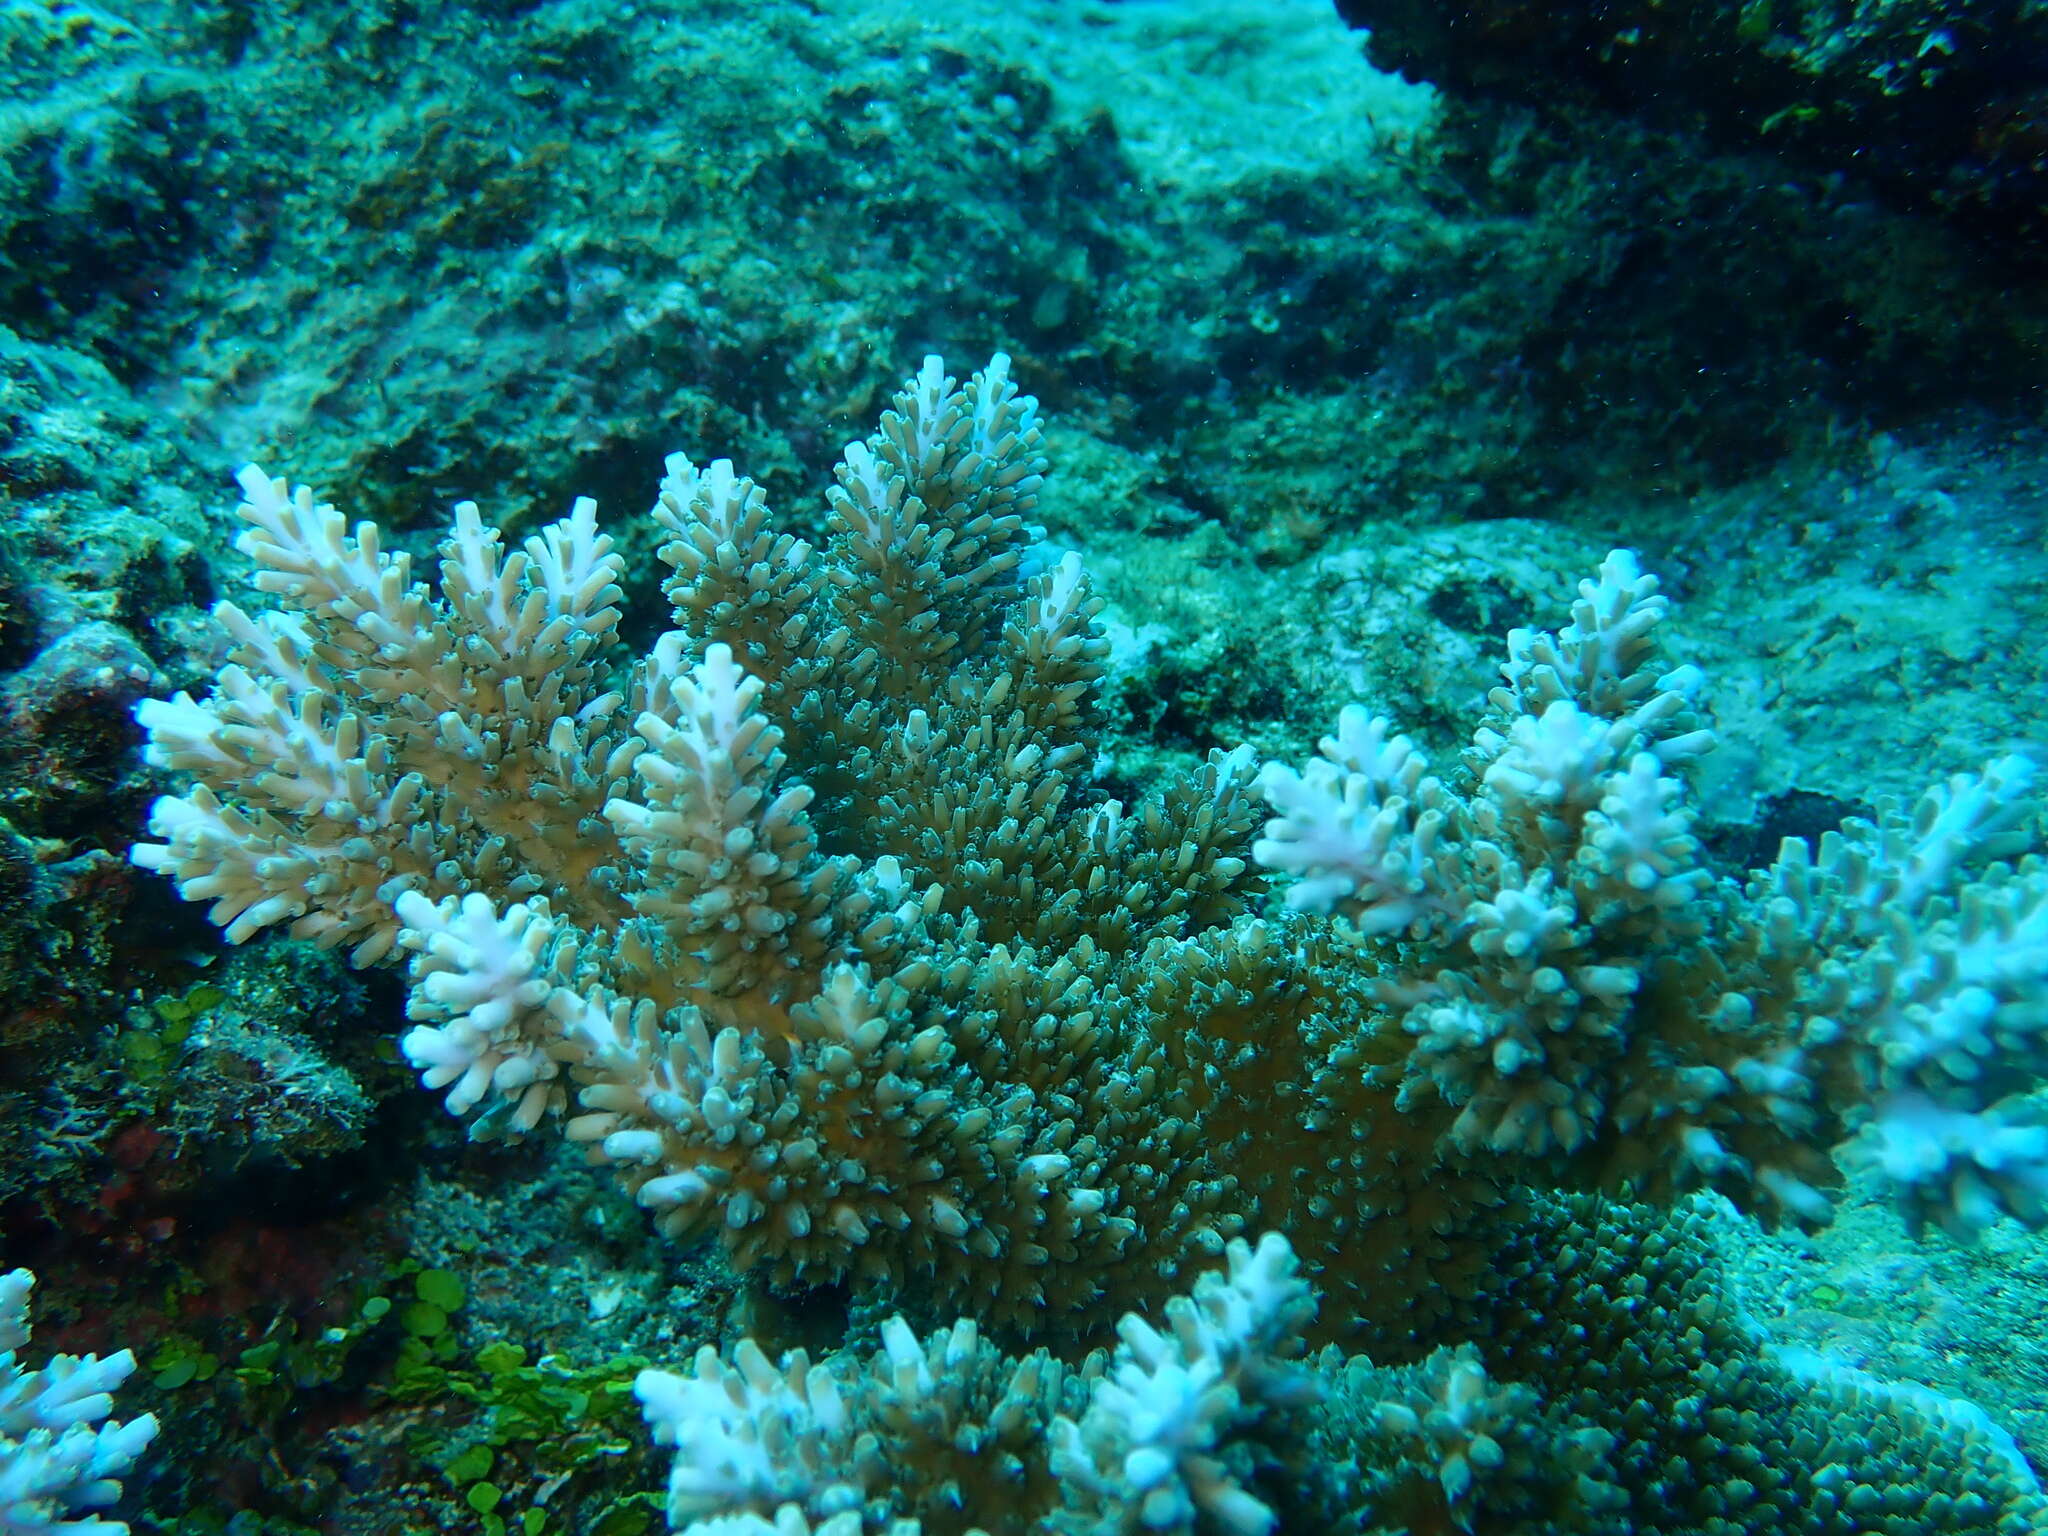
1023	768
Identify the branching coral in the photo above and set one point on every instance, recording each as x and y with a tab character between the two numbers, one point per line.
802	905
1158	1437
60	1456
1547	953
814	913
1626	1392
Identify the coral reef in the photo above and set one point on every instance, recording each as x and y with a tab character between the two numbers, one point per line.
1907	96
1351	378
1519	321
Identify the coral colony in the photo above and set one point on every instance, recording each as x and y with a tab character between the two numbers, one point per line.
810	925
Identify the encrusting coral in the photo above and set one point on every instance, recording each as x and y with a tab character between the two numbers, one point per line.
815	915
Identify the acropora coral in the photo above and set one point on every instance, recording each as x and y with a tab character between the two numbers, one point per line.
812	925
61	1457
